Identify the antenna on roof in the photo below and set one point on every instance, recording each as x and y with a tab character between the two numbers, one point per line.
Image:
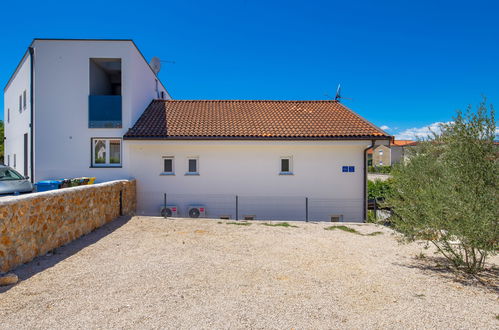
338	93
338	96
155	64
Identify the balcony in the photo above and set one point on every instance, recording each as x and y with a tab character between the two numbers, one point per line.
104	111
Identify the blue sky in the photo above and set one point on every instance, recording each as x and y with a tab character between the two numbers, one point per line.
402	64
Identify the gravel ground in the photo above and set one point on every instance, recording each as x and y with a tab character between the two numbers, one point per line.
156	273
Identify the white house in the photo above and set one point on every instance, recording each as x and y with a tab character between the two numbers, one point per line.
95	108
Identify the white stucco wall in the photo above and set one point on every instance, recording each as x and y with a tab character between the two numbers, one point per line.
63	147
250	169
18	125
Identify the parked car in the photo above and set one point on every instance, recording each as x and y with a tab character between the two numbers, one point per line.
12	183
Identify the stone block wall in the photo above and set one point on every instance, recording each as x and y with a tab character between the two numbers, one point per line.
32	225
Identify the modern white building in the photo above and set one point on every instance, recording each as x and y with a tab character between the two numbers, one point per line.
95	108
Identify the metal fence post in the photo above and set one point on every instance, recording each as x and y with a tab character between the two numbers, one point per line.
237	207
165	202
306	209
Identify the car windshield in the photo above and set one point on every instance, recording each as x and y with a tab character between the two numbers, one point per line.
9	174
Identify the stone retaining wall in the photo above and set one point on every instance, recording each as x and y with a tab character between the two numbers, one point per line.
33	224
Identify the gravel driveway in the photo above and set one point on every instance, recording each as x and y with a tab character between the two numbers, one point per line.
156	273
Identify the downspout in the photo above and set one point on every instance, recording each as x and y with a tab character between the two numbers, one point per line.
365	179
31	124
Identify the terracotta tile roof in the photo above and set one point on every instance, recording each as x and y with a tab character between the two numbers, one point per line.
401	143
171	119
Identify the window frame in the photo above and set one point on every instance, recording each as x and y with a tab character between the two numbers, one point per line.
172	172
24	100
107	163
290	165
20	103
196	158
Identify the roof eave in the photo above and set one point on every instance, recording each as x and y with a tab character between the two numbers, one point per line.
258	138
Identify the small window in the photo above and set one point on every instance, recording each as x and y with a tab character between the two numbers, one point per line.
381	152
15	161
8	160
24	100
8	115
106	152
192	165
20	103
168	166
337	218
286	166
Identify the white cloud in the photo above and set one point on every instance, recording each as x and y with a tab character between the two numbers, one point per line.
385	128
418	132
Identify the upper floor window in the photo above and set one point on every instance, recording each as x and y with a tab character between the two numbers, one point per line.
286	165
168	165
106	152
381	152
20	103
24	100
104	103
192	166
8	115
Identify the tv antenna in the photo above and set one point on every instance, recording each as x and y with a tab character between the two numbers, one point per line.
338	96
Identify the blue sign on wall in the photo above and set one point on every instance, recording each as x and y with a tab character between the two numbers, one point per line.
346	169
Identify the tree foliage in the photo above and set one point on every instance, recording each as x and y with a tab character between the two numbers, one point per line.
447	193
379	189
380	169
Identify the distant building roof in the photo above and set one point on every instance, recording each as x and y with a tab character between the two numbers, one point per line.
233	119
401	143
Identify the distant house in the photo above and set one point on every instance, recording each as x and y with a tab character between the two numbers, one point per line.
388	155
96	108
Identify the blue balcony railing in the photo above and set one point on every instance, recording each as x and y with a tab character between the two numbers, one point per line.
104	111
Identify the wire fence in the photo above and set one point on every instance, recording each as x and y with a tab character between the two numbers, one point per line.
240	207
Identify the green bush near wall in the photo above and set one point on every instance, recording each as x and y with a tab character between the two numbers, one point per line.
380	169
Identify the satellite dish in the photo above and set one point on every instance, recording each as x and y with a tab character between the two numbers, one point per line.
155	64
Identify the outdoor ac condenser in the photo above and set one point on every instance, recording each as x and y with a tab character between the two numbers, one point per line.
196	211
169	211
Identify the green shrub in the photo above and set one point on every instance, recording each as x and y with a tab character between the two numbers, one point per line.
380	169
379	189
447	193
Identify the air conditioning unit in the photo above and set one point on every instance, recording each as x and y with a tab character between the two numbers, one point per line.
169	211
196	211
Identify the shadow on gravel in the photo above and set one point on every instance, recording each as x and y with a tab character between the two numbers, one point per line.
487	279
39	264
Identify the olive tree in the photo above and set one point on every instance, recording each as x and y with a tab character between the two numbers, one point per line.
447	192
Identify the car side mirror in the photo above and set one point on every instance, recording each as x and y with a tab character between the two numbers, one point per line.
26	177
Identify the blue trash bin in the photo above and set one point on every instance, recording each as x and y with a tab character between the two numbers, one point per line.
48	185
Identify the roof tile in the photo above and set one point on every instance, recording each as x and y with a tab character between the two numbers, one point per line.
170	119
